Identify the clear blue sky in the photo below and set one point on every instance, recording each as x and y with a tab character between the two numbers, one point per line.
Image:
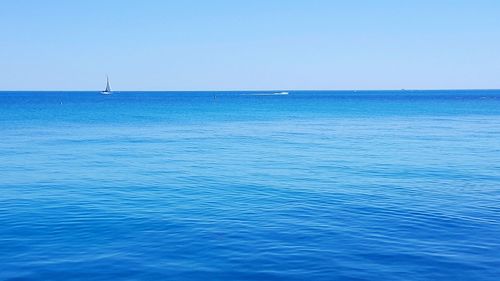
252	44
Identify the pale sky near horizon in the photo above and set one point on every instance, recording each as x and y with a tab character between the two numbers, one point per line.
249	45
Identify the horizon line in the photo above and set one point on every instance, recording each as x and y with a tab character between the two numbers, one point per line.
272	90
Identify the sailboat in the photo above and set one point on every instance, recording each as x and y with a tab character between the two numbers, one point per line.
107	91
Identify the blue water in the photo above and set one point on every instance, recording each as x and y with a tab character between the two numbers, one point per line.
380	185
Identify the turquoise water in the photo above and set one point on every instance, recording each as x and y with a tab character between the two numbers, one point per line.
380	185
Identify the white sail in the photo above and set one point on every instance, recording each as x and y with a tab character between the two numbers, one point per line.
107	91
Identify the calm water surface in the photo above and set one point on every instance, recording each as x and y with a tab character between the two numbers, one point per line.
235	186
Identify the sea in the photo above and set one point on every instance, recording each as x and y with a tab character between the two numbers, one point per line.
313	185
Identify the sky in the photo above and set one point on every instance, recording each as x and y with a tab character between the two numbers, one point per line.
249	44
